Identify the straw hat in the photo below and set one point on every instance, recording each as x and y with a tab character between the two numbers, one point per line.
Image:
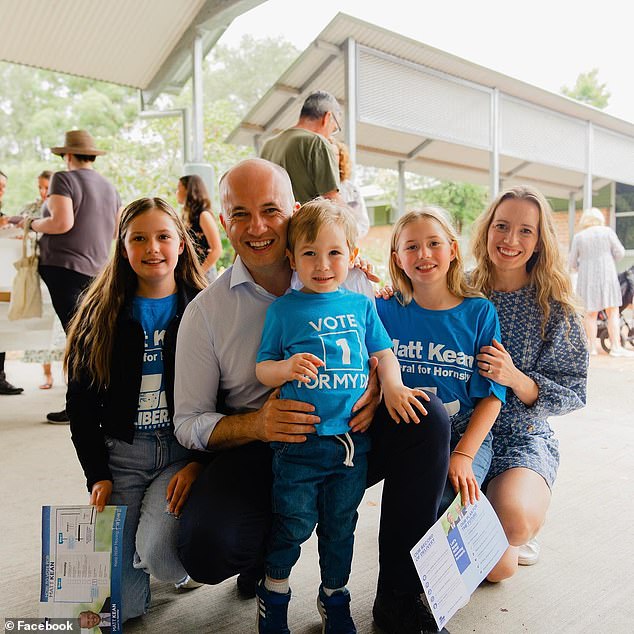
78	142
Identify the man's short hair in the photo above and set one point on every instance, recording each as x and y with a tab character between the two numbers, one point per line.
317	104
306	222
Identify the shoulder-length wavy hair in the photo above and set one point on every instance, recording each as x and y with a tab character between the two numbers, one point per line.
545	268
456	280
91	331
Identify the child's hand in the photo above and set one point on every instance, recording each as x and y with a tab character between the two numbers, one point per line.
302	367
180	485
100	494
462	478
402	402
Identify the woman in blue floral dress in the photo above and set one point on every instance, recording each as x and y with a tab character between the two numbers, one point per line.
543	361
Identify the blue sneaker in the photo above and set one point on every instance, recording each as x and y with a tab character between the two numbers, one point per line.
272	611
335	612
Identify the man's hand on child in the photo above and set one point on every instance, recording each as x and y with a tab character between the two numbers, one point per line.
367	268
179	487
285	420
100	494
462	478
303	367
384	293
402	403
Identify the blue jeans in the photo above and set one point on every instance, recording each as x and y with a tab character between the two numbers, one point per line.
141	472
481	464
312	486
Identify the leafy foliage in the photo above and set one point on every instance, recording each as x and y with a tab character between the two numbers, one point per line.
144	156
587	89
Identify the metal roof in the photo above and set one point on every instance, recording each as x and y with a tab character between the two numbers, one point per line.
144	44
321	67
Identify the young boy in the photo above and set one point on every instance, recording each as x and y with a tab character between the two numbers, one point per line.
316	344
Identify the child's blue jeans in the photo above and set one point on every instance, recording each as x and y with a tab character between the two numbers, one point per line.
141	472
312	486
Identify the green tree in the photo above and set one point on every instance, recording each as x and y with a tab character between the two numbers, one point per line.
587	89
463	201
242	74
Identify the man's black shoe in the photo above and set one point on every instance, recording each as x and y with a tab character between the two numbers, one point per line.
58	418
403	614
247	581
7	388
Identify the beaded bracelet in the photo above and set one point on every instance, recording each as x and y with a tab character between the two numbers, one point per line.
462	453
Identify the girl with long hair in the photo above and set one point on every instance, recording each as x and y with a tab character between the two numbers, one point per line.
438	324
192	193
543	361
120	362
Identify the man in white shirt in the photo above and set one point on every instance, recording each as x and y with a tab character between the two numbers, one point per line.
220	406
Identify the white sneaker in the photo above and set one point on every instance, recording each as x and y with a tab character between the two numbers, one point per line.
622	352
529	553
188	584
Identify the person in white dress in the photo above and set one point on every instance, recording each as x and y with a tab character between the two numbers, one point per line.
593	253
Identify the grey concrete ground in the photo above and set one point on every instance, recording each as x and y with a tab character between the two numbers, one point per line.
583	582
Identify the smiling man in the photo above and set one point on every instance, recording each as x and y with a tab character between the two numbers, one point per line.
222	407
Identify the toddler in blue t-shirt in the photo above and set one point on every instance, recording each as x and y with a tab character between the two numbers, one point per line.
316	344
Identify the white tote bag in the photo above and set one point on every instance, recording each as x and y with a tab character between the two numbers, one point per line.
26	295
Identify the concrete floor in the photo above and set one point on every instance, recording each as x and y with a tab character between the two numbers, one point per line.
583	582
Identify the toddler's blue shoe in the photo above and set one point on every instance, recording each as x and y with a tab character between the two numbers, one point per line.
335	612
272	611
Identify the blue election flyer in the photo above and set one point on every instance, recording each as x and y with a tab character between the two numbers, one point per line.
456	554
81	565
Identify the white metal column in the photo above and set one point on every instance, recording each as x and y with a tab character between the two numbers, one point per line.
572	212
350	63
197	98
587	184
494	169
400	211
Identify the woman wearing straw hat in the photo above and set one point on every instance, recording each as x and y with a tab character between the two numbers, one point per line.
78	227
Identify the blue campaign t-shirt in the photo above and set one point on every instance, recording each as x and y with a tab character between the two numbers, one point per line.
436	350
340	328
154	315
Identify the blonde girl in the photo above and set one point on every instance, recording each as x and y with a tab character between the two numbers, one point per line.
437	324
120	361
543	361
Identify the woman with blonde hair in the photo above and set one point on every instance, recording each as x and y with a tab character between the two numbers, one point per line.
543	362
593	253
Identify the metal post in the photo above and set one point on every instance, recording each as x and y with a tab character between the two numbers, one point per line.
587	184
185	116
197	98
350	63
494	168
401	189
572	216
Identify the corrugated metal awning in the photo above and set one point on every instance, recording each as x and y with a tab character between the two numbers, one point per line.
144	44
542	135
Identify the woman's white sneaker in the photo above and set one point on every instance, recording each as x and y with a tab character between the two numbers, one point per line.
529	553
